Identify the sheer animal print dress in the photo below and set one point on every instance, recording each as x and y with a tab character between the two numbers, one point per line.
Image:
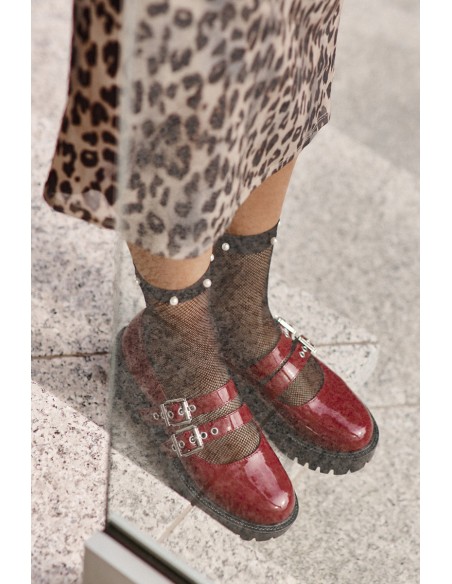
198	101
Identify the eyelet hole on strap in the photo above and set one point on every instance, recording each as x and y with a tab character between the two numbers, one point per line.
155	416
192	408
214	431
203	435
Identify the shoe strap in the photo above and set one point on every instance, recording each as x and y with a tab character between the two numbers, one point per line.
175	412
189	440
266	366
281	366
288	372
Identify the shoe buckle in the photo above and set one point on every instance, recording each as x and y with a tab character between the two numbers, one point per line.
288	328
307	345
195	437
168	415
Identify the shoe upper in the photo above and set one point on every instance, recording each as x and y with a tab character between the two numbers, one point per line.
335	418
255	488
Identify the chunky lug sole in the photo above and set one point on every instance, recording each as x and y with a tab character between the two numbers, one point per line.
174	473
283	435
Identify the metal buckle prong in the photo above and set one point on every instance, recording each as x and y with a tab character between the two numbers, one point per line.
185	409
305	342
287	326
196	435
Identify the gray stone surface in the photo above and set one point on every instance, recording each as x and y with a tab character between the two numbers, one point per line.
376	88
80	382
345	273
141	498
72	282
68	488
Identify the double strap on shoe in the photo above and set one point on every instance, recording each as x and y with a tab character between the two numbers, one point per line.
191	439
276	370
178	416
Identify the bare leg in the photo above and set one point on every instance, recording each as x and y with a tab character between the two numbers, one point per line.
259	212
262	209
167	273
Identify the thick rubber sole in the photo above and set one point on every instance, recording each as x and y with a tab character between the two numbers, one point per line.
173	471
282	434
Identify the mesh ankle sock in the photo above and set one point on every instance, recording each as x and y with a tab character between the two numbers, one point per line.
239	304
239	301
182	346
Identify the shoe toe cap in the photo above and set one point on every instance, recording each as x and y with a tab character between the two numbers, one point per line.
271	494
255	489
344	415
336	418
356	428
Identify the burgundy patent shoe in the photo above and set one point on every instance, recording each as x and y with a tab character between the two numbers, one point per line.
332	431
252	496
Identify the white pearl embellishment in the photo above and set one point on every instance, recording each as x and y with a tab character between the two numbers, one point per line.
174	300
273	240
212	257
225	246
207	283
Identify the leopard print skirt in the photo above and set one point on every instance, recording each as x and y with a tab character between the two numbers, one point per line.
177	110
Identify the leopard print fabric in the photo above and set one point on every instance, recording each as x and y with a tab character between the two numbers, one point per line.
215	97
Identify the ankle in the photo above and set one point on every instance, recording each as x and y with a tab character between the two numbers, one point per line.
153	294
166	273
246	244
239	302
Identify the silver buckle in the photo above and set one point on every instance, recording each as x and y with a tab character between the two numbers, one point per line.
289	328
307	345
295	336
168	415
195	433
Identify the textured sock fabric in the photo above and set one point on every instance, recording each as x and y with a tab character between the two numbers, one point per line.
184	351
239	305
239	302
